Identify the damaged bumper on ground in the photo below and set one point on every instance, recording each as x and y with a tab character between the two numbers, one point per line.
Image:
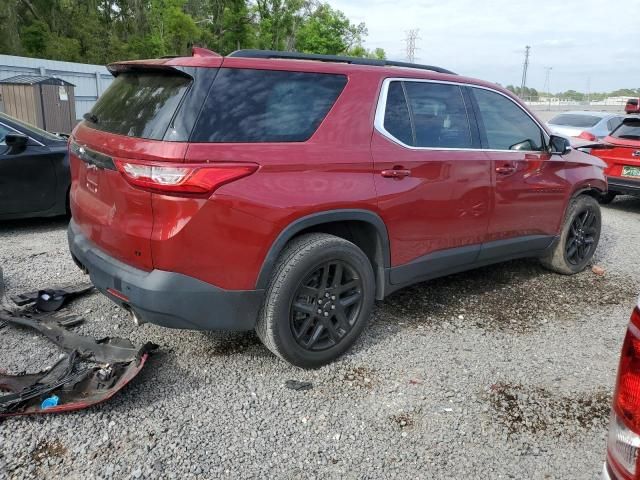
91	372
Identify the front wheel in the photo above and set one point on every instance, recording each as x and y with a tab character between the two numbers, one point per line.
318	301
578	239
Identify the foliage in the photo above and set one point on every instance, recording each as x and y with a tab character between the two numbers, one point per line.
101	31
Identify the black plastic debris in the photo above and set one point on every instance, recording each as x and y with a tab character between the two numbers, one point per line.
52	299
298	385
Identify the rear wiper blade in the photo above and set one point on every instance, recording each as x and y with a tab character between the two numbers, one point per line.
90	117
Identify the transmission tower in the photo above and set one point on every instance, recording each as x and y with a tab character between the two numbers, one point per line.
412	36
525	67
547	81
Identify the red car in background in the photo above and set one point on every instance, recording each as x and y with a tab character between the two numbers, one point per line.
622	156
632	106
624	430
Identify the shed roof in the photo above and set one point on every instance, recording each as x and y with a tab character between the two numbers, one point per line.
35	79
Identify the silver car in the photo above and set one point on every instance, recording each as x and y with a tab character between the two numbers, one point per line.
573	124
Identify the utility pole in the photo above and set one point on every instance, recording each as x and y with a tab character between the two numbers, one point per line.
412	36
525	67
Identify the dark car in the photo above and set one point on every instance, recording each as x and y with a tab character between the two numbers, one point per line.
286	194
34	171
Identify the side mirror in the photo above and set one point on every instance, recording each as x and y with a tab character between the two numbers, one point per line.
16	141
559	145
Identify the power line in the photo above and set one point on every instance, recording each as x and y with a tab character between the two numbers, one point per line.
525	67
412	36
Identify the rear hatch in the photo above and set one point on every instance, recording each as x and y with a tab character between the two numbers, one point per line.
623	154
135	119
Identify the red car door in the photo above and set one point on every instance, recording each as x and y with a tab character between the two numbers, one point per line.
432	180
530	188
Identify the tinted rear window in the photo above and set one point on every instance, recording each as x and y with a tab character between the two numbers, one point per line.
139	104
575	120
629	130
246	106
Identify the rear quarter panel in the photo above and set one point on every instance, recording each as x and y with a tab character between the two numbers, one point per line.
224	239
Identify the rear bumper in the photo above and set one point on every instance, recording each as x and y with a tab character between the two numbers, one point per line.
165	298
624	186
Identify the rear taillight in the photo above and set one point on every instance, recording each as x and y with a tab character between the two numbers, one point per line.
183	179
588	136
623	445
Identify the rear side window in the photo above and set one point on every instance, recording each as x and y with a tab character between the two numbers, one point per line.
575	120
613	123
247	106
630	130
396	114
506	125
439	115
139	104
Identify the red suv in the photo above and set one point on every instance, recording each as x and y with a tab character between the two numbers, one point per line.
285	192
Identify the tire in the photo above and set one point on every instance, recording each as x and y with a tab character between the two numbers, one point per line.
607	198
578	239
313	311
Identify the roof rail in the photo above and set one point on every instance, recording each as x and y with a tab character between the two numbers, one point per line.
333	58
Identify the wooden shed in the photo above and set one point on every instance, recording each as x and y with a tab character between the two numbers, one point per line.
46	102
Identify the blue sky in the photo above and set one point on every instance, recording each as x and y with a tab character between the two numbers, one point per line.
588	43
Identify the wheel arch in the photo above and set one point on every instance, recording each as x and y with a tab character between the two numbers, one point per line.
364	228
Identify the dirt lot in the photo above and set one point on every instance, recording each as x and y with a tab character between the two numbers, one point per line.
503	372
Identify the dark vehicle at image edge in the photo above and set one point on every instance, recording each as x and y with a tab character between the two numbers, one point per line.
34	171
285	193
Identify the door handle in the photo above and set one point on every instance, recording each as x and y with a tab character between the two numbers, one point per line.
505	169
397	173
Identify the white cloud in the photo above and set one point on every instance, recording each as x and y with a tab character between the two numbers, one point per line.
486	39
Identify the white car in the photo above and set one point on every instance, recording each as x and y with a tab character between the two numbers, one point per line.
584	124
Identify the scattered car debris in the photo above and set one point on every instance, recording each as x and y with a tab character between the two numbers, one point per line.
298	385
51	299
71	380
91	371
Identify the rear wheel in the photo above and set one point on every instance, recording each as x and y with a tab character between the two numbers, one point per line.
318	301
579	237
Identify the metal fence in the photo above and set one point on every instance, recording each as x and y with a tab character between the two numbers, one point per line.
90	80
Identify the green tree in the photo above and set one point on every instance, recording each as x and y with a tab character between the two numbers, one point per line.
328	31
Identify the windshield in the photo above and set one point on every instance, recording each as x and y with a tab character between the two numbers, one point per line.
575	120
629	130
32	129
139	104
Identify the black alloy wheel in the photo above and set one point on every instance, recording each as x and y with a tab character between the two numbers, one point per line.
582	237
326	306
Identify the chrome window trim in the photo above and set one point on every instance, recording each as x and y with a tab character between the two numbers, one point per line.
18	131
382	105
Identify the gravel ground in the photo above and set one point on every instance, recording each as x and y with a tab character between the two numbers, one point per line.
502	372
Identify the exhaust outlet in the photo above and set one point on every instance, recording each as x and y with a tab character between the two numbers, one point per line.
136	319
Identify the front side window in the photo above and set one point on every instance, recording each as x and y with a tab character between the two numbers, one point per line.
506	125
247	106
439	115
3	133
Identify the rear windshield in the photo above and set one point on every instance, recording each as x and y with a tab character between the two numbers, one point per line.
575	120
246	106
629	130
139	104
